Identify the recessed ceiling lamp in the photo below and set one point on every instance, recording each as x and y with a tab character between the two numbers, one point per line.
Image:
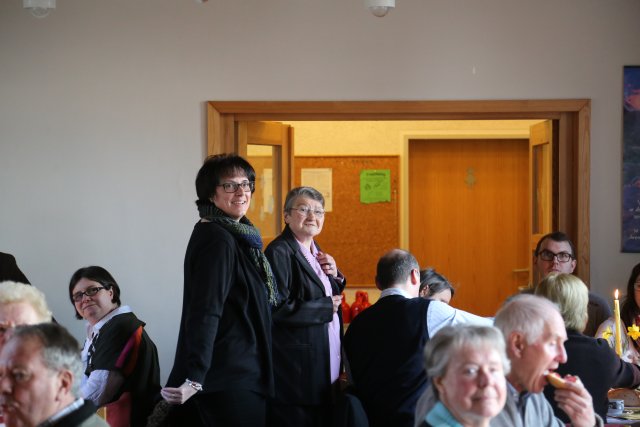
380	7
39	8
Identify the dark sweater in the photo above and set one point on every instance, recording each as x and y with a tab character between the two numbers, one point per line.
599	369
384	346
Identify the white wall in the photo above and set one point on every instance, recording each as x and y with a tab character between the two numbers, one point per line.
102	124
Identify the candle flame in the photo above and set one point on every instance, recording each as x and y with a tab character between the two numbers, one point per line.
616	294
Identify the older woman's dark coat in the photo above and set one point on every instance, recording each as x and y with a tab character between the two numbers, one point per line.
300	325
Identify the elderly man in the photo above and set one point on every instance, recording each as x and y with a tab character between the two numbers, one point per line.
39	368
384	343
20	304
535	334
556	253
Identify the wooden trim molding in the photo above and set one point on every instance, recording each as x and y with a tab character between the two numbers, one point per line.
572	117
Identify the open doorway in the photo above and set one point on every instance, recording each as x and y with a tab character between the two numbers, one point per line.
571	177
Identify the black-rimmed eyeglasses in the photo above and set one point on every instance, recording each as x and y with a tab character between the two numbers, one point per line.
561	256
232	187
77	297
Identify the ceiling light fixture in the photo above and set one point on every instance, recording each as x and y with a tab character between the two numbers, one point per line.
39	8
380	7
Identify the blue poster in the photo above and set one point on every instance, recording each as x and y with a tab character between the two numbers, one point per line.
631	160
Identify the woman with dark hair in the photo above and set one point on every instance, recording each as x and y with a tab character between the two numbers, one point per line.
222	372
307	325
629	316
434	285
121	362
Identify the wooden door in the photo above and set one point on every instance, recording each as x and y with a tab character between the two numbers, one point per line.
468	216
541	187
268	146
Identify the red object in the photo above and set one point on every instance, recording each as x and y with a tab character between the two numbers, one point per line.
346	310
356	307
365	300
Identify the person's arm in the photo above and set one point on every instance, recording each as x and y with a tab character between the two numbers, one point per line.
102	386
624	374
211	281
292	309
440	315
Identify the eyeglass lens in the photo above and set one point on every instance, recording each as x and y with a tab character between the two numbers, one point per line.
306	211
77	297
549	256
232	187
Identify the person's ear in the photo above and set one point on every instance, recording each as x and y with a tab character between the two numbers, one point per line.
437	383
65	383
415	277
516	344
378	284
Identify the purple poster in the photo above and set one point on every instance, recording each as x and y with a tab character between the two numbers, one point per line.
631	160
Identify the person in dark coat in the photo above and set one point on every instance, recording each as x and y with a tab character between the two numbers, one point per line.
590	359
222	372
9	269
307	326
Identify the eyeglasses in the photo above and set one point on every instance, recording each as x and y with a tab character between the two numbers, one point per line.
77	297
232	187
307	211
549	256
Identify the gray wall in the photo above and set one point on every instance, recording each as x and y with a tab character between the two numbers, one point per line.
102	120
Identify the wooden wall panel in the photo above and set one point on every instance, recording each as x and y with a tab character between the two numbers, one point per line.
354	233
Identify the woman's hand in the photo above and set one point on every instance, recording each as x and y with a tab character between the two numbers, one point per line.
327	263
337	300
178	395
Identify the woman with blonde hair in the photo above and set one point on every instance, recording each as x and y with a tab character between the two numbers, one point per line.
584	352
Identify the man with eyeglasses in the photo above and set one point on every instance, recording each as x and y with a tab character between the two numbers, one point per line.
555	252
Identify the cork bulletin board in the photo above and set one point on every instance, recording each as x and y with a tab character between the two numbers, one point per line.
356	234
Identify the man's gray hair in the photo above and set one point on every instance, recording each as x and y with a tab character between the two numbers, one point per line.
526	314
450	340
13	292
60	350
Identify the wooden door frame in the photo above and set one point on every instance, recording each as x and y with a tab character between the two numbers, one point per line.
572	117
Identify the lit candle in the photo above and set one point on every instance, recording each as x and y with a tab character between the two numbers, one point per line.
616	314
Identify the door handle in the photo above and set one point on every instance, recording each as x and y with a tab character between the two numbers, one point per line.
520	270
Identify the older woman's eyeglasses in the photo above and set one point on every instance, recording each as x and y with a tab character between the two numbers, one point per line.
549	256
232	187
77	297
307	211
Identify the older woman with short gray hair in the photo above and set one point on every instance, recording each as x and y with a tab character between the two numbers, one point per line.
467	365
307	323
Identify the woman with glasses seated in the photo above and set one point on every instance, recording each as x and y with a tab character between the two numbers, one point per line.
222	372
307	325
121	362
629	316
